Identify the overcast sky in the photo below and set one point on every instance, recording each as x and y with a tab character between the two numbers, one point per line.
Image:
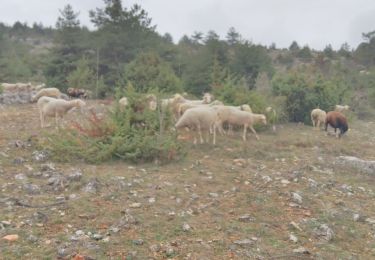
315	23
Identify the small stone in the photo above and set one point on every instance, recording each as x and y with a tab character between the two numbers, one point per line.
75	176
32	238
135	205
138	242
295	225
169	252
79	233
324	232
213	194
11	238
296	198
155	248
20	177
246	218
31	188
186	227
97	237
285	182
244	242
301	250
151	200
371	221
293	238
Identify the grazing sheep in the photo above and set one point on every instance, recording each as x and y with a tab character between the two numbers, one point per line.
16	87
207	98
49	92
78	93
318	117
336	120
341	109
182	107
200	118
236	117
225	113
57	108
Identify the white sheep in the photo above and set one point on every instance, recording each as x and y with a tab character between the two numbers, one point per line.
182	107
56	108
207	98
199	118
49	92
225	113
16	87
318	117
241	118
341	108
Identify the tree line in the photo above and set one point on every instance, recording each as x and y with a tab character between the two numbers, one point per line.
125	49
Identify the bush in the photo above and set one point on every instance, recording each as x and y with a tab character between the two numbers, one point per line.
135	135
304	92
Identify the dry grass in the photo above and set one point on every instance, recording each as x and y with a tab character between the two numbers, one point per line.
206	190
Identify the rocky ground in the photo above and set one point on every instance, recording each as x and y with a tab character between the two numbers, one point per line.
295	194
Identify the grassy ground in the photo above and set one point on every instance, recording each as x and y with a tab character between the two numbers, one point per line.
202	207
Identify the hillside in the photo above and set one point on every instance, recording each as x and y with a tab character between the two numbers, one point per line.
285	196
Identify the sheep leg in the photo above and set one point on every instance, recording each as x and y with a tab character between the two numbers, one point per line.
318	125
253	130
41	119
244	133
56	120
200	134
214	139
230	129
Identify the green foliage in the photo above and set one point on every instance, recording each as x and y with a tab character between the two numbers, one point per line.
235	92
304	92
149	72
83	76
305	53
134	134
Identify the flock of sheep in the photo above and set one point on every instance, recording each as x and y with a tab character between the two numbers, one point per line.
205	115
335	119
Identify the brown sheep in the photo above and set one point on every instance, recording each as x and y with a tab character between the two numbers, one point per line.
336	120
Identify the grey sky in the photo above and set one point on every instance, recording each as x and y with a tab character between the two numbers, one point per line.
312	22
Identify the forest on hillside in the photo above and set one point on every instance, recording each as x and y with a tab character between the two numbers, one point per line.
125	50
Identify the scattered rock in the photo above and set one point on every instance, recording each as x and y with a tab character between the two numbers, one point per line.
135	205
40	156
155	248
301	250
138	242
20	177
31	189
213	194
244	242
246	218
186	227
11	238
293	238
359	164
296	198
32	238
92	186
19	160
324	232
75	176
